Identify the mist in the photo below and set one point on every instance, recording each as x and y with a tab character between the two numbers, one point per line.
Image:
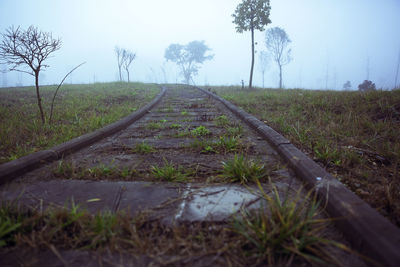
332	41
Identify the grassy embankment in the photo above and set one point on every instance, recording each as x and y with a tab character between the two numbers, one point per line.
78	109
355	136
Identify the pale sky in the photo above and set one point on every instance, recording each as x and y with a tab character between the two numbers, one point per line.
332	40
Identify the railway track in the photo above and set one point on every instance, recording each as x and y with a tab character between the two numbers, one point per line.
192	133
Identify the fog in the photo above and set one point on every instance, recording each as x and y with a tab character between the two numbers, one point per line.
332	41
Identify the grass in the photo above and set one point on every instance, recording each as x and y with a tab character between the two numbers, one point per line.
286	228
143	148
79	109
354	135
68	170
224	145
169	173
286	232
239	169
200	131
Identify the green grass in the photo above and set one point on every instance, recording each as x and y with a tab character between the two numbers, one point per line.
78	109
242	170
68	170
200	131
143	148
224	145
354	135
169	173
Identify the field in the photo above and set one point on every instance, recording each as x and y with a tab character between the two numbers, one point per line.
355	136
78	109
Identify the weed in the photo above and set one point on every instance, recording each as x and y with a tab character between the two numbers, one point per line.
175	126
243	170
143	148
289	226
155	125
184	113
208	149
169	173
222	121
200	131
228	144
236	131
67	170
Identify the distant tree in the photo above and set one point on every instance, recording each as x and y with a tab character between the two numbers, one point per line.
188	57
264	60
397	71
277	42
28	48
347	85
127	58
119	53
252	15
367	86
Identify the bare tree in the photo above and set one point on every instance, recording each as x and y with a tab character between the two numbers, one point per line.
264	60
127	58
119	53
28	48
277	42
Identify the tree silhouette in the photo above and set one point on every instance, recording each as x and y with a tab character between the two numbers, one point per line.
188	57
28	48
127	58
277	41
252	15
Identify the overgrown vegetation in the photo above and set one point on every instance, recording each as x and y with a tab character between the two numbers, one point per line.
79	109
354	135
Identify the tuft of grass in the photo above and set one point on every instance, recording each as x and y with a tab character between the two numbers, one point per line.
288	227
222	121
143	148
169	173
242	170
236	131
175	126
200	131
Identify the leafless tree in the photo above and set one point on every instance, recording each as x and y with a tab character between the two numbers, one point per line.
28	48
397	71
119	53
264	60
127	58
277	42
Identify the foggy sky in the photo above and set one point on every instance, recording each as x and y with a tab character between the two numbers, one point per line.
332	41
